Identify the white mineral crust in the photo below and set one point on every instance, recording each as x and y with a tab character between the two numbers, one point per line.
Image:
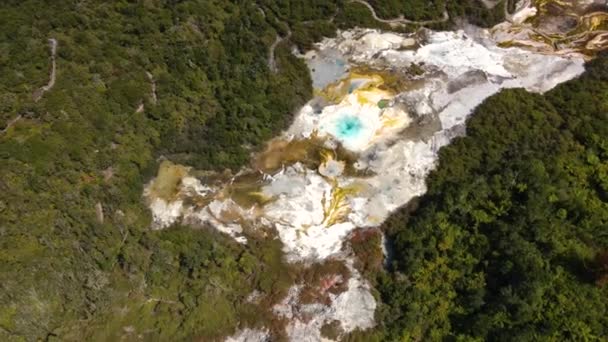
459	71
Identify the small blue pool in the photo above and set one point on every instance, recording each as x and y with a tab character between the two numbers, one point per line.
348	127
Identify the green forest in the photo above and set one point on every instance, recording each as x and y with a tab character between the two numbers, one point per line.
510	241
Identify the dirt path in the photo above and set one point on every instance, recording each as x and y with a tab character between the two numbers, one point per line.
11	123
272	63
153	84
518	7
508	16
401	20
38	93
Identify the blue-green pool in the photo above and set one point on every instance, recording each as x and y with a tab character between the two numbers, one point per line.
348	127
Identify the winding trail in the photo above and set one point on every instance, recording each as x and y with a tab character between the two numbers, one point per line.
519	6
508	16
401	21
11	123
153	85
38	93
272	63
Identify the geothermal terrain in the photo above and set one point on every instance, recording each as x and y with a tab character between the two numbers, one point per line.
384	104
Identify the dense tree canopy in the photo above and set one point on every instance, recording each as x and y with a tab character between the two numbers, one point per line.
188	80
509	242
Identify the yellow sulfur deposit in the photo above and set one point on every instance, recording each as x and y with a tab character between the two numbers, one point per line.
337	209
557	27
167	183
